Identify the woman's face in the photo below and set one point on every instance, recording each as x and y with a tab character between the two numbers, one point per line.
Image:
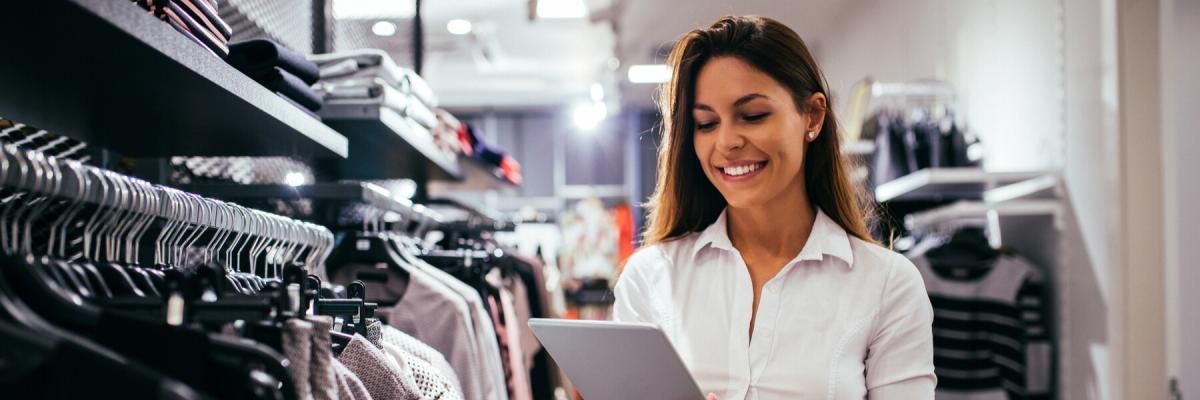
749	136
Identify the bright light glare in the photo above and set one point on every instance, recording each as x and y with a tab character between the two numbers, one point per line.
561	9
588	116
655	73
597	92
294	179
373	9
384	28
459	26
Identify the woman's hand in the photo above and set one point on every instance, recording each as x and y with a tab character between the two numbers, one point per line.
711	396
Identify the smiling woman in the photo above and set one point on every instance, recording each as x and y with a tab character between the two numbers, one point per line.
759	268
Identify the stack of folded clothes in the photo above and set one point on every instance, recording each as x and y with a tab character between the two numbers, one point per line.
369	76
475	144
196	19
279	69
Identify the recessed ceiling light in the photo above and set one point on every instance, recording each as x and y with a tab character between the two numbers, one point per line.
561	9
384	28
653	73
459	26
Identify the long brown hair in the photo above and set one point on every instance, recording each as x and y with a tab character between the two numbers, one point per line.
684	200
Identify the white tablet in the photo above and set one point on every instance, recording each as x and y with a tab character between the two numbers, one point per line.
617	360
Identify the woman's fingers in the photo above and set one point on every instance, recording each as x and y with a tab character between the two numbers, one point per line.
711	396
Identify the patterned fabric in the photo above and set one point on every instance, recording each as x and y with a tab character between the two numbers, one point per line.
411	345
322	378
297	347
349	386
431	383
381	375
375	332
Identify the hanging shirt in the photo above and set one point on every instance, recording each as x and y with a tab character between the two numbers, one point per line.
844	319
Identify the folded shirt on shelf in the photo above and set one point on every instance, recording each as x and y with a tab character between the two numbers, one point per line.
203	13
291	87
208	38
257	56
370	63
377	91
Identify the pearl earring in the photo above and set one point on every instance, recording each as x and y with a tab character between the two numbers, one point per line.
812	135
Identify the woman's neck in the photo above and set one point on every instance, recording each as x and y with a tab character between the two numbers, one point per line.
778	229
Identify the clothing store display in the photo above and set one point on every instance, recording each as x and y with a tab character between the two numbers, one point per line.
862	329
903	147
200	12
259	56
991	337
208	38
381	376
288	85
437	368
509	334
372	63
479	318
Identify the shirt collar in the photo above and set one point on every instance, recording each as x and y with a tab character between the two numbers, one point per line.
827	238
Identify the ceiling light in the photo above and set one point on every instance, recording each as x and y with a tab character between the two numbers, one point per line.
294	179
373	9
384	28
654	73
597	92
561	9
459	26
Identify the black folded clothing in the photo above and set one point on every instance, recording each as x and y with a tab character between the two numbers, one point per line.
290	86
259	56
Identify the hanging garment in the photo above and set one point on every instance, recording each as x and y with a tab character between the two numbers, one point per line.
349	386
322	377
297	347
990	334
481	322
518	383
379	374
438	364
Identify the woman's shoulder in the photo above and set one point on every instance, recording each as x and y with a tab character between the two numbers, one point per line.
659	258
879	260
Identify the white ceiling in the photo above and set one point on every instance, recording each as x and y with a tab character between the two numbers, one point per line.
509	61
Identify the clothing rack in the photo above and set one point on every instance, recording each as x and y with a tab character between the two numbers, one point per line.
140	203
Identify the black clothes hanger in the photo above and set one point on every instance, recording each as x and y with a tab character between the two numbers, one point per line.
96	279
118	281
363	248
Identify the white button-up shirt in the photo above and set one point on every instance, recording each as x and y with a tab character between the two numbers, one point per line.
845	319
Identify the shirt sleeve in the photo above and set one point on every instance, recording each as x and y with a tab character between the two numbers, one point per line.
632	302
900	355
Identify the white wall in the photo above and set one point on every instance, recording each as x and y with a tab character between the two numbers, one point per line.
1181	99
1003	57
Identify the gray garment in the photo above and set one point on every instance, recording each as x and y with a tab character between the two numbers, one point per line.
297	348
414	347
383	377
439	317
374	62
485	331
322	378
349	386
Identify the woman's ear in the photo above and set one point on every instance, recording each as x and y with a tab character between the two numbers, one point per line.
815	107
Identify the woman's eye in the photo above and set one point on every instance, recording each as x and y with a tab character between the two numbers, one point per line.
756	117
706	126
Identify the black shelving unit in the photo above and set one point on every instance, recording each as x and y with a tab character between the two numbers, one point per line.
110	74
384	145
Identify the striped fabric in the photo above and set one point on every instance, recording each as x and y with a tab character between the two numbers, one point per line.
991	339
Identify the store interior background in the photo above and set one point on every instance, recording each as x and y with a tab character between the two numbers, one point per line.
1081	87
1099	96
1101	92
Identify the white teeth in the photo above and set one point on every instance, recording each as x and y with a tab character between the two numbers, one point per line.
741	169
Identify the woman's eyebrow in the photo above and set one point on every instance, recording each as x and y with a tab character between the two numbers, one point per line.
740	101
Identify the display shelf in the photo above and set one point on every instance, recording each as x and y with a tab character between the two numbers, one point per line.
386	145
477	177
350	192
947	184
112	75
